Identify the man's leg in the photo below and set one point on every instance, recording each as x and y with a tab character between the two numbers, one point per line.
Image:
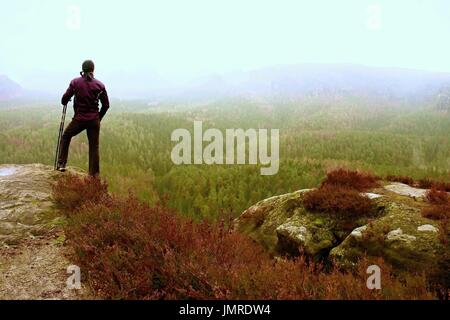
74	128
93	133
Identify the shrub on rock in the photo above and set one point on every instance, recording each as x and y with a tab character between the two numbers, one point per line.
436	196
343	202
355	180
72	191
440	205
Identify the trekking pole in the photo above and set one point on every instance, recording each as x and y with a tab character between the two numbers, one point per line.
61	129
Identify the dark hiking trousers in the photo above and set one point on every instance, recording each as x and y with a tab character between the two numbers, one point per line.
92	128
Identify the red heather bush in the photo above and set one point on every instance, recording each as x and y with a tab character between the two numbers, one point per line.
440	205
425	183
428	184
129	250
437	212
440	278
435	196
356	180
337	200
401	179
72	191
439	185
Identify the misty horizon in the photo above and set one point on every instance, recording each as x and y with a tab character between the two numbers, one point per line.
268	81
162	46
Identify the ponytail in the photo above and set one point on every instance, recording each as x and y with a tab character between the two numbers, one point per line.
88	75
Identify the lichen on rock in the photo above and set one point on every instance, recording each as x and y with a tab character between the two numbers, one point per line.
398	232
26	205
395	237
33	262
309	234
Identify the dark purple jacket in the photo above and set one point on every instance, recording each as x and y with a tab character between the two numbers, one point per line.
88	92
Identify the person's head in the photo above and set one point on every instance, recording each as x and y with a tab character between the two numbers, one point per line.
88	69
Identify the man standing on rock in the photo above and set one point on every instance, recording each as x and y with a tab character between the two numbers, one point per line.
88	91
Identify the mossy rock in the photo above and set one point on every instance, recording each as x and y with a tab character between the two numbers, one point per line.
27	209
397	231
284	227
304	232
402	237
261	220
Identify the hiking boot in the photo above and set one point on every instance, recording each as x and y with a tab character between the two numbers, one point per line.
61	167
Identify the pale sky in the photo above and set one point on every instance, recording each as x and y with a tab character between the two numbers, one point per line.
44	42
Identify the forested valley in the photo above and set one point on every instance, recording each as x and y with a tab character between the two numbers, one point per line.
386	137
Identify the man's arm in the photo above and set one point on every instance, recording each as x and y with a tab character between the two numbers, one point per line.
68	95
105	103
